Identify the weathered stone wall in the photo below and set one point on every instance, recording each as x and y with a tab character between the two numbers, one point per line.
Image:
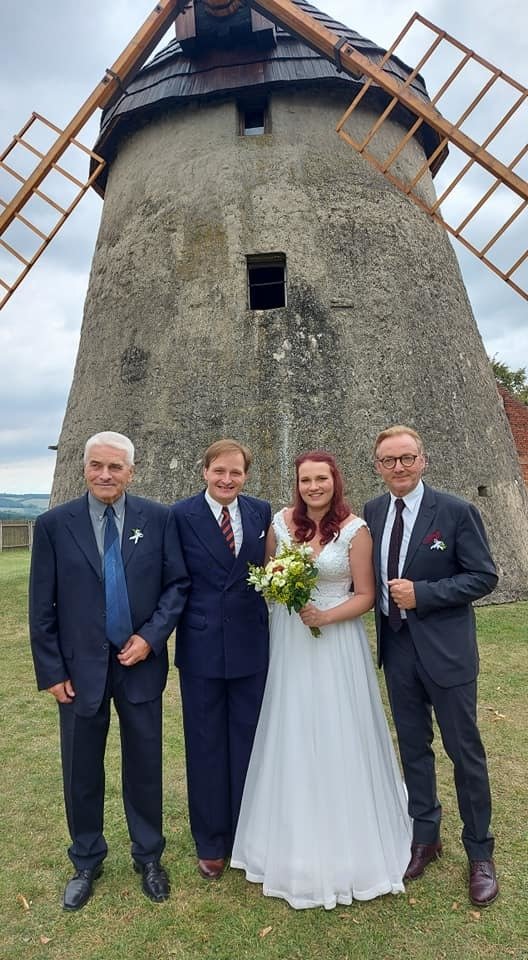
377	329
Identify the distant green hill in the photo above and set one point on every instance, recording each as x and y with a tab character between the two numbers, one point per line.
22	506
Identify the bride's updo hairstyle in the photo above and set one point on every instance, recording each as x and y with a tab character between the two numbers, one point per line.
304	528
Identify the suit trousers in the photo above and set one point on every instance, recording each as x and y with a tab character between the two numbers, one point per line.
83	743
413	696
219	718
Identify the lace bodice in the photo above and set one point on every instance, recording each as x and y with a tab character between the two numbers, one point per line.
334	578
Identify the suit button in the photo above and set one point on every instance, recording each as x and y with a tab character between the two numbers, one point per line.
105	646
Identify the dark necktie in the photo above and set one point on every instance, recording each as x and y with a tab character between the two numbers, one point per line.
118	620
227	529
393	561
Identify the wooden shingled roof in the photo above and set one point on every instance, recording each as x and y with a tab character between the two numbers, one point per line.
174	76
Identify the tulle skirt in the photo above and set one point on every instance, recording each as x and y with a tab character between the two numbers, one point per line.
324	813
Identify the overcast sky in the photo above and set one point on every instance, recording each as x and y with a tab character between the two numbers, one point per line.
51	56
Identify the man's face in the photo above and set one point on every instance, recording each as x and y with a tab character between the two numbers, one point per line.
400	479
107	473
225	477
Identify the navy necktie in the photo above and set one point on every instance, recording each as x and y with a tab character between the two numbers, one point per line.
393	562
227	529
118	620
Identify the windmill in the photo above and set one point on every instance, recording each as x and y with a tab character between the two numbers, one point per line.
255	277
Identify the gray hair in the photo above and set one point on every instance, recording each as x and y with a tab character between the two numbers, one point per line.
110	439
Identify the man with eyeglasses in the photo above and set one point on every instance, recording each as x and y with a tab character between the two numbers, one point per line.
432	560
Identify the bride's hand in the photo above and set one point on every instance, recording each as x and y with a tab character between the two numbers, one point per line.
311	616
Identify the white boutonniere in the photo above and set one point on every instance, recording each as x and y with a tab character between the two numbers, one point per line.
434	541
136	535
438	545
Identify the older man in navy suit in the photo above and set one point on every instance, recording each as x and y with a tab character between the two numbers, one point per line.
107	586
432	560
221	646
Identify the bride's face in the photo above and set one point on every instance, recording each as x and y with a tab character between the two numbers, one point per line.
316	485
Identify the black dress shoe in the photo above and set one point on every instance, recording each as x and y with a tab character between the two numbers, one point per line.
421	855
79	889
155	883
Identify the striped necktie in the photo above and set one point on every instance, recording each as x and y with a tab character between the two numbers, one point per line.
227	529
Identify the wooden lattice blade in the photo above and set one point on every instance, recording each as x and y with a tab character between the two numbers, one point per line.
45	208
481	186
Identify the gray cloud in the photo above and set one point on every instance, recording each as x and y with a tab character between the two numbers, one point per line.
52	57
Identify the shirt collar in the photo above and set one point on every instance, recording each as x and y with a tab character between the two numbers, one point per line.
217	507
98	507
413	499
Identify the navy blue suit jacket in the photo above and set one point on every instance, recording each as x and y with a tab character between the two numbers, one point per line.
67	600
223	631
446	582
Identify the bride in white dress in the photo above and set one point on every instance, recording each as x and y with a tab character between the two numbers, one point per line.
324	812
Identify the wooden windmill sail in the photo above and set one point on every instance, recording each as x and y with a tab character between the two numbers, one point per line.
22	239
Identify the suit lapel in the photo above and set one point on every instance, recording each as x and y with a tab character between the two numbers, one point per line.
204	525
251	530
424	521
80	526
378	524
135	520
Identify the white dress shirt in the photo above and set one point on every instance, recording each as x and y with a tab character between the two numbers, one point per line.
234	515
412	503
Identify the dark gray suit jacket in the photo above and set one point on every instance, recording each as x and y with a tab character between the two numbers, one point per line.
67	599
446	581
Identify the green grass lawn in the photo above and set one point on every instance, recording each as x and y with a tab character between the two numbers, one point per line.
231	919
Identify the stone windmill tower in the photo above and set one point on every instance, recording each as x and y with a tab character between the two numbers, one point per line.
255	278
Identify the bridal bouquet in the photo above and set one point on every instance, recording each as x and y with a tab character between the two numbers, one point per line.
288	578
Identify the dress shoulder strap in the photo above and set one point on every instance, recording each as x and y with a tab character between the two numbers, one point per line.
279	525
348	532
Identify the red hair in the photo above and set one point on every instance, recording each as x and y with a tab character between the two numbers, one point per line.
305	528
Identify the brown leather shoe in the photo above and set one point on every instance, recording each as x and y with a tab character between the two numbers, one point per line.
483	885
421	855
211	869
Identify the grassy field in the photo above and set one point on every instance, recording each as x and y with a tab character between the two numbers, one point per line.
231	919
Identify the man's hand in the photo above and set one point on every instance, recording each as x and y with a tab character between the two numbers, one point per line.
135	649
402	592
63	692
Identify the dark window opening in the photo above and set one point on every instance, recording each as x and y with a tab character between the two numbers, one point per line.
254	123
266	281
254	119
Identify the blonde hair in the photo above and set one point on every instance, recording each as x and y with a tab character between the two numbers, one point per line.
397	431
219	447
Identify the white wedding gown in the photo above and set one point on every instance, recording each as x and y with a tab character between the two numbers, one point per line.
324	813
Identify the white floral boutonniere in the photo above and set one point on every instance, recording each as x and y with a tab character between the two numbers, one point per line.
438	545
434	541
136	535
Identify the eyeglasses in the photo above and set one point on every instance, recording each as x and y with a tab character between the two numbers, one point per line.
406	460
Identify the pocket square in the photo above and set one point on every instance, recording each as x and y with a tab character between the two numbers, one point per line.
262	534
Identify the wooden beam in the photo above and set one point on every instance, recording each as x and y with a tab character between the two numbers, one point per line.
185	23
325	41
109	88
